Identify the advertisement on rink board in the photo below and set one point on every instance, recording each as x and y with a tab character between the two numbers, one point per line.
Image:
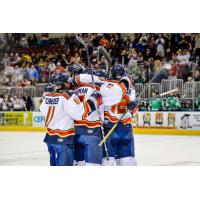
167	120
159	120
16	118
38	119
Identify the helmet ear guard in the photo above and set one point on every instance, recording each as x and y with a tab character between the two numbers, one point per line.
76	69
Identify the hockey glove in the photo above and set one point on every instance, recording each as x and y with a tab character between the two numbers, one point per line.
132	106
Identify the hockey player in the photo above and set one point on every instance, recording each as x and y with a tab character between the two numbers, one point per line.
120	143
60	110
88	130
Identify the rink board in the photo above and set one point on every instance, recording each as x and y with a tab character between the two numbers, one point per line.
171	123
135	130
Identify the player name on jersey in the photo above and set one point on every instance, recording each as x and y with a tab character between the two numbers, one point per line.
82	90
51	101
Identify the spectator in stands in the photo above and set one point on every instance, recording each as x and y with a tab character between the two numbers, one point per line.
18	72
142	106
59	68
173	103
45	73
34	75
104	42
16	59
7	103
197	44
156	103
28	102
1	101
162	75
183	57
140	58
5	81
23	42
51	66
198	103
188	105
134	71
196	76
32	40
44	39
132	57
160	42
18	103
173	72
5	61
76	59
183	44
24	83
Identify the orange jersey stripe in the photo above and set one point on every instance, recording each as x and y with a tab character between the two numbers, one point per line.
89	124
48	115
79	83
61	133
52	114
113	119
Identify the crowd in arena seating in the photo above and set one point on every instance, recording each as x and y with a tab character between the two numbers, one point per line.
27	59
16	103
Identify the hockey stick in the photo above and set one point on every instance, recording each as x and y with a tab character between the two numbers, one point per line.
168	92
88	57
116	124
93	84
103	51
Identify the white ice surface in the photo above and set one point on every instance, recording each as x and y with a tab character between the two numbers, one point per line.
28	149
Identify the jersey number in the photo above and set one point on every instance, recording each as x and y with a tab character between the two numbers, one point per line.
121	107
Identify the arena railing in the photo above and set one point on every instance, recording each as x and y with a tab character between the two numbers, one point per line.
138	88
39	89
153	87
191	90
167	85
12	91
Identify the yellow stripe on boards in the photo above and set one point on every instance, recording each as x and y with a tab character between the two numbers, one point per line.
135	130
166	131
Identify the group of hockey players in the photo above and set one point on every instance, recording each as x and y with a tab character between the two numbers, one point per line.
81	109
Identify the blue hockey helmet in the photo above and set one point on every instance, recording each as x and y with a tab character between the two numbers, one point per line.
49	88
100	73
76	69
59	79
117	71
